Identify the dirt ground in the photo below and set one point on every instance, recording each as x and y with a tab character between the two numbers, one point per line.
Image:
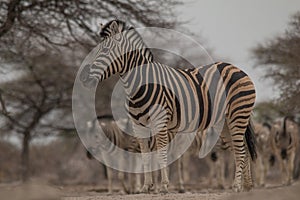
41	191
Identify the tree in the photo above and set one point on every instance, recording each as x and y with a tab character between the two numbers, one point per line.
47	40
267	111
65	22
38	104
280	59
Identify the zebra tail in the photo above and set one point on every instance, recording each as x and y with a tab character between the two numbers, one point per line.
250	140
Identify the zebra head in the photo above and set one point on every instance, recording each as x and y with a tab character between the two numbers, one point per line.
120	50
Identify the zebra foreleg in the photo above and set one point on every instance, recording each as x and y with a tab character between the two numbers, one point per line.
260	170
146	158
121	177
290	168
135	183
134	178
109	177
155	181
285	175
180	174
220	164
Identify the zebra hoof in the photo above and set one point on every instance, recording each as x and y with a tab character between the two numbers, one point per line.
146	189
236	188
122	192
136	190
164	189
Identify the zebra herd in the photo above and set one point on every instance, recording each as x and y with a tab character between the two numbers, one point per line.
165	101
269	147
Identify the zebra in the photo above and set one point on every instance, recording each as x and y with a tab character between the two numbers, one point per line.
219	160
128	143
265	157
285	141
117	138
188	110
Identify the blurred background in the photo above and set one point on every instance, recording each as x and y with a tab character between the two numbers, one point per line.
43	42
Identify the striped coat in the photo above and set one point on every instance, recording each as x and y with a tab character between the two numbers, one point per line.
162	99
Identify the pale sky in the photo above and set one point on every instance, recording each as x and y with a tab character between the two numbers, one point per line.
233	27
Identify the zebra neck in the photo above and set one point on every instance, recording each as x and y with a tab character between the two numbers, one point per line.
136	60
135	78
137	52
136	41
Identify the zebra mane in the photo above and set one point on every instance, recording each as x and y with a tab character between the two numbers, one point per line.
107	31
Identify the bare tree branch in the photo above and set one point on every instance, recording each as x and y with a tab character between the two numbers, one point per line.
280	59
10	17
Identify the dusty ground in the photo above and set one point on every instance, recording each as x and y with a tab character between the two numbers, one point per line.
41	191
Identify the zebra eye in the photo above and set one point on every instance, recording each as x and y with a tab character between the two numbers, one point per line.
105	50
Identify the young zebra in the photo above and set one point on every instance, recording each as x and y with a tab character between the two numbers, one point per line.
117	138
128	143
285	142
217	158
162	99
265	158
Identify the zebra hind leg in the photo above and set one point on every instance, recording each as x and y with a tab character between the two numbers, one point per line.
247	182
238	146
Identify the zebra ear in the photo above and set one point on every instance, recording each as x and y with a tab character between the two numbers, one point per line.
114	26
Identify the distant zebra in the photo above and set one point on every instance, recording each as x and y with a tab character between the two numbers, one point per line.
285	142
151	86
128	143
219	160
216	159
117	138
265	157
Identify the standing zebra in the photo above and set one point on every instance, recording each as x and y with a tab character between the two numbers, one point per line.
117	138
265	158
164	99
285	142
219	159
